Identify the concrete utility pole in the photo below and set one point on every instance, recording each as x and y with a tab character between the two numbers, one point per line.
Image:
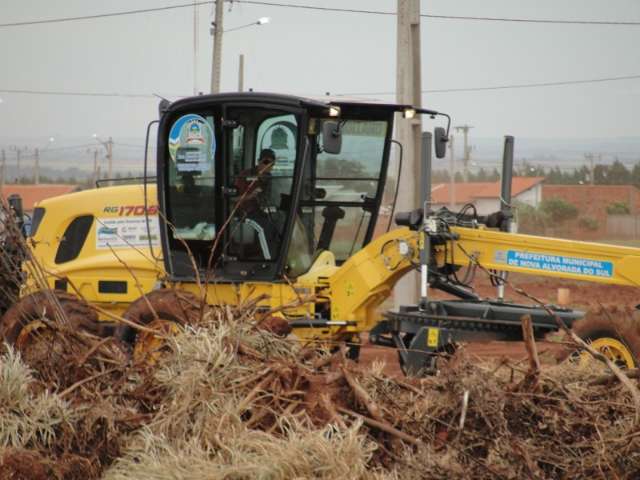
3	168
195	47
18	165
467	150
217	30
408	131
590	157
36	173
241	73
452	173
110	157
95	166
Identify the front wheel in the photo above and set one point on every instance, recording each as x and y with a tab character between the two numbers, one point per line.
616	335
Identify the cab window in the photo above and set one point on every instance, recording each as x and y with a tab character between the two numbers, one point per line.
264	150
73	239
192	148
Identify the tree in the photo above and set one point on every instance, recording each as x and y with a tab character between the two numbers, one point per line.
618	173
618	208
635	175
530	219
558	210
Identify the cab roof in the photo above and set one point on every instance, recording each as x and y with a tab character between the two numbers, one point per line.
321	102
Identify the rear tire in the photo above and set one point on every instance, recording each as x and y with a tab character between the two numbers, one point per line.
162	310
34	307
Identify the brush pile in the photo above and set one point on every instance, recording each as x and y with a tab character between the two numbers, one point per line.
229	399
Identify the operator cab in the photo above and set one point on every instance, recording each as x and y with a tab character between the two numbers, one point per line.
254	186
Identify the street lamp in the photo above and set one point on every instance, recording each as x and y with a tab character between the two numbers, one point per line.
216	31
260	21
108	145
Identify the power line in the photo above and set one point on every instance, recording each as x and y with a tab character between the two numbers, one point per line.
103	15
531	20
78	94
507	87
322	9
354	94
446	17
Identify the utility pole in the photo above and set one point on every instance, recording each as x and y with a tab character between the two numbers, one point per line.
408	131
195	47
18	165
452	173
95	166
241	73
590	157
3	168
217	30
110	157
36	173
467	150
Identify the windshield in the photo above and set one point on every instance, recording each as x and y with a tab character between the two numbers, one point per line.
341	191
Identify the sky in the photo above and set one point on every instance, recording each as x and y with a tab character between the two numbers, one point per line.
310	53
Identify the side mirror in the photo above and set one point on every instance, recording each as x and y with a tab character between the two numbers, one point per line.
163	107
440	140
15	202
331	137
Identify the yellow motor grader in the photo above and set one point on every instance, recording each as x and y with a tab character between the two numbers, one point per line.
294	235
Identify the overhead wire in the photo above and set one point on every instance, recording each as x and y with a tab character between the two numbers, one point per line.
103	15
348	94
76	93
505	87
322	9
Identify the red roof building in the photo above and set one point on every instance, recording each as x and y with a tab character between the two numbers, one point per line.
32	194
485	195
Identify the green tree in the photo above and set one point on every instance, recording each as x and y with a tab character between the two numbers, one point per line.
588	223
618	173
635	175
530	219
558	210
618	208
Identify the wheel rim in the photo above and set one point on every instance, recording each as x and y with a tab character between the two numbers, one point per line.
27	332
148	347
613	349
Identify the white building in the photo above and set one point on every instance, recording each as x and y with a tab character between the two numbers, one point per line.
485	195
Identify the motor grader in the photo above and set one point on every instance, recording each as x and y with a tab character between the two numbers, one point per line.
297	240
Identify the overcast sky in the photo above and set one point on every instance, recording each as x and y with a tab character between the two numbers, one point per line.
308	52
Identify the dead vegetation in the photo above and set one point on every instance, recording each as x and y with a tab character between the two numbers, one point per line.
233	397
230	400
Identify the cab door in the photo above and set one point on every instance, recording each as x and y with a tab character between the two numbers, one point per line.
258	198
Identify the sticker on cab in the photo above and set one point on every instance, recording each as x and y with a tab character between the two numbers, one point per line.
192	144
125	232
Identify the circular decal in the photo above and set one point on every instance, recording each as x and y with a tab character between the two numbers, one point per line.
192	145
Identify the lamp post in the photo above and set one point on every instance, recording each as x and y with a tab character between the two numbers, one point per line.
108	145
216	31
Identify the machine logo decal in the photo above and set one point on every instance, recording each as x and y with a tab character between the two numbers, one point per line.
557	263
192	144
126	232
